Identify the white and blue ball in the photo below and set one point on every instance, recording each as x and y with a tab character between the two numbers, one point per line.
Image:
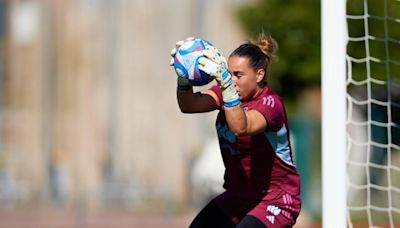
186	62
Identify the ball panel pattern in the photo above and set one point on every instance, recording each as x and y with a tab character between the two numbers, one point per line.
186	62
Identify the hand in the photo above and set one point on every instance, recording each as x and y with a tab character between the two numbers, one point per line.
183	83
177	46
214	64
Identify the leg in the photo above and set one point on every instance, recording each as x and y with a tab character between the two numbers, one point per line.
211	216
250	222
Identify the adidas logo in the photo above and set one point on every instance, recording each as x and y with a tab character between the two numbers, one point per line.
274	209
271	218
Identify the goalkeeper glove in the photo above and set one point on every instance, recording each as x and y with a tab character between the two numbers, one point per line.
214	64
183	83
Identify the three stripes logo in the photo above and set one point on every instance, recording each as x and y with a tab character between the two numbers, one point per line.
270	101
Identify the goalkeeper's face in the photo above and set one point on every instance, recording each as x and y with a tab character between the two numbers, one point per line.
247	80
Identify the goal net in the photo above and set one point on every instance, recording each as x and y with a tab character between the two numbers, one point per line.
373	113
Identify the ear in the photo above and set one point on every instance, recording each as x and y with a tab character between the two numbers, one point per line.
260	75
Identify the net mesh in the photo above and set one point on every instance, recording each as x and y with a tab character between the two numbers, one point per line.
373	113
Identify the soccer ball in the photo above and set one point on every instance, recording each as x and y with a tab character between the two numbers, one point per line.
186	62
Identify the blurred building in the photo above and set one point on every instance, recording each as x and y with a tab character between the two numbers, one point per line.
88	109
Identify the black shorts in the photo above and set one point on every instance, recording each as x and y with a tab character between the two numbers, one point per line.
211	216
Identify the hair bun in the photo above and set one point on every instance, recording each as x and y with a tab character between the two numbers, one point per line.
268	45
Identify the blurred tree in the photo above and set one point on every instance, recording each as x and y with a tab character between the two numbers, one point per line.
296	27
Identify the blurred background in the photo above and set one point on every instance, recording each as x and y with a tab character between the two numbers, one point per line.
90	131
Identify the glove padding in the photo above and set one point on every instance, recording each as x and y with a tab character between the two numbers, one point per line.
177	46
214	64
183	83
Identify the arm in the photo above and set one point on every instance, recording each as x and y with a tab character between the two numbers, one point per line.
190	102
245	123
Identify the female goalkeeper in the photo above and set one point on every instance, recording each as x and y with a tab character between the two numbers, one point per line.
261	182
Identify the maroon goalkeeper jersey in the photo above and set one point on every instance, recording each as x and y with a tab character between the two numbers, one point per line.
263	163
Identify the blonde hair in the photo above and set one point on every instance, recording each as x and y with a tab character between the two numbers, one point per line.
268	46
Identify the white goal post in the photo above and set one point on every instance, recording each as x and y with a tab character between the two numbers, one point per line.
333	39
